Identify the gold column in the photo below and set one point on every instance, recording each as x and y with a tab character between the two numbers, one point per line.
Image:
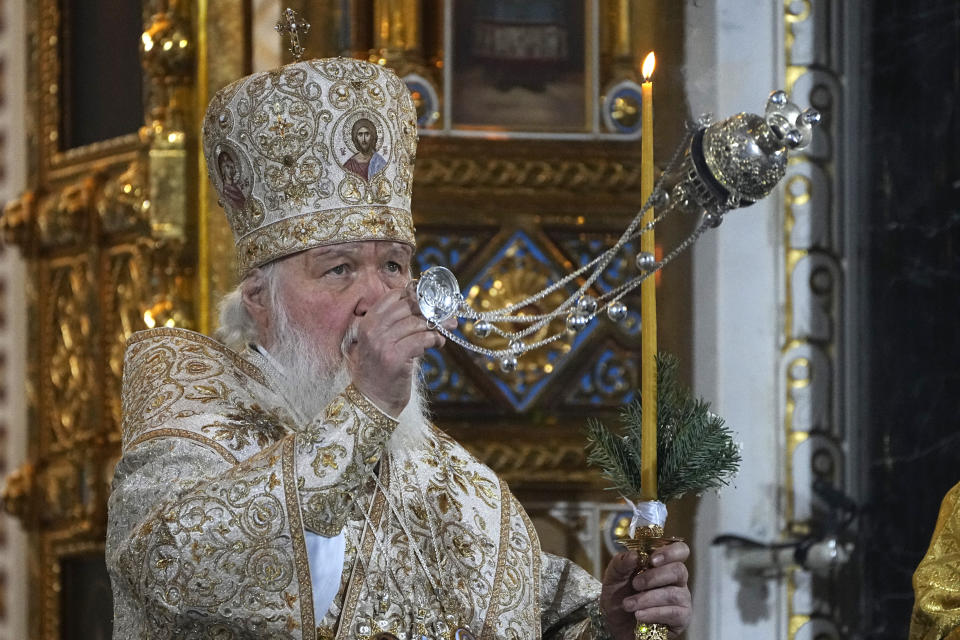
627	32
223	35
397	37
168	48
398	42
616	42
617	24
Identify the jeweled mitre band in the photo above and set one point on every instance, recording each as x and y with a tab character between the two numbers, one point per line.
313	153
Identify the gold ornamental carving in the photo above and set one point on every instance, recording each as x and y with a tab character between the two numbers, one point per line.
502	174
168	51
17	492
535	462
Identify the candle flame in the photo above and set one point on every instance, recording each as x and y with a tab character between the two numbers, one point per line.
648	64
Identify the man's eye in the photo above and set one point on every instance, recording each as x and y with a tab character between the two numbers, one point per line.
338	270
394	267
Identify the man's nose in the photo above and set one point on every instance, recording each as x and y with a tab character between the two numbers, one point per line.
370	287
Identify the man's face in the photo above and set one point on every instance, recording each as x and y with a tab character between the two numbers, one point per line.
364	139
326	289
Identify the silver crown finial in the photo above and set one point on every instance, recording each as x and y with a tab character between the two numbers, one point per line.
291	24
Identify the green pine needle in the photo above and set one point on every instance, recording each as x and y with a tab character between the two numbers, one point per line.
695	449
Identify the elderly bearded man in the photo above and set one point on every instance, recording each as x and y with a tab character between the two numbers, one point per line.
293	487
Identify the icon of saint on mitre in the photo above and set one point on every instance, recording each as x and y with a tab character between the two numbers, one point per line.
232	179
365	139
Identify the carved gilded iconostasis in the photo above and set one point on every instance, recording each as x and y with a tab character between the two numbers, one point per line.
528	164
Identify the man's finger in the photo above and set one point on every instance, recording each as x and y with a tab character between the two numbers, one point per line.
387	314
674	573
391	307
662	597
451	323
415	344
410	297
673	552
400	328
621	567
676	618
416	326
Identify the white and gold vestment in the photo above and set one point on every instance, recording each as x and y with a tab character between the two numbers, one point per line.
936	582
218	485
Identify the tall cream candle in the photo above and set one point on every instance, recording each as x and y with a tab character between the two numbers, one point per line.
648	300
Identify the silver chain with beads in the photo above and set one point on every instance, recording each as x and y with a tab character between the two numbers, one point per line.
578	308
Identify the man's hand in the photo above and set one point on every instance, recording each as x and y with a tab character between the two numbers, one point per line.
659	594
382	348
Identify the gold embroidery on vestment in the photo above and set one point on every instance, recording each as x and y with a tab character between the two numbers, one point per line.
301	559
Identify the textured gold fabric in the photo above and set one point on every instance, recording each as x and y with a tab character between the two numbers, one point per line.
313	153
936	583
217	485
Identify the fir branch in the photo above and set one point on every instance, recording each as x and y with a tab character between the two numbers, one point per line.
695	449
609	452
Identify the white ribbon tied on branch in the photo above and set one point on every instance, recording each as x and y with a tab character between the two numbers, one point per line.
645	513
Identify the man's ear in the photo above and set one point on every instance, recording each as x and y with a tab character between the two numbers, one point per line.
254	292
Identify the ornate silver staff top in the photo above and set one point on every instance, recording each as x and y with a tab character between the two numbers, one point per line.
719	167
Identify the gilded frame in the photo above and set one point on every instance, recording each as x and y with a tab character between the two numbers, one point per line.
56	550
54	161
566	17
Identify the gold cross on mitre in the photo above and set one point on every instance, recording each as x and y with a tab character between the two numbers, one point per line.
293	26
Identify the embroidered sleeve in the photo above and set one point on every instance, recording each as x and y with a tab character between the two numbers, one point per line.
567	595
585	623
333	455
201	544
199	548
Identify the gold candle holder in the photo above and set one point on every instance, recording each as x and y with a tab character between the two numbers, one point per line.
644	542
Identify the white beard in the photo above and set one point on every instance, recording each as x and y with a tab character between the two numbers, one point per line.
313	379
414	420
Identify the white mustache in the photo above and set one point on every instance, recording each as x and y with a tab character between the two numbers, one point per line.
349	339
